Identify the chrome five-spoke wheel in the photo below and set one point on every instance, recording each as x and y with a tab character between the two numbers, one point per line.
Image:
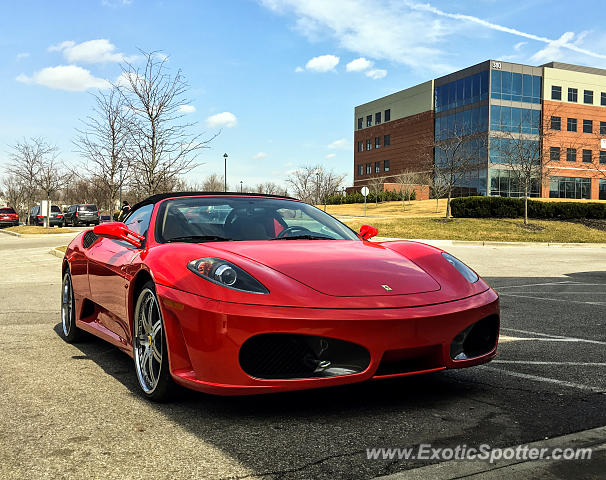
68	319
149	345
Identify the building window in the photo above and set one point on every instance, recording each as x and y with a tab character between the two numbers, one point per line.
603	99
369	120
368	168
556	92
377	167
587	156
377	118
368	144
573	94
571	124
602	157
587	126
386	164
556	123
602	189
602	128
571	154
569	187
554	154
360	123
588	97
360	146
360	170
386	140
377	142
388	115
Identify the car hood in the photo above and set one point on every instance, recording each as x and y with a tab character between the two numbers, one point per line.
339	268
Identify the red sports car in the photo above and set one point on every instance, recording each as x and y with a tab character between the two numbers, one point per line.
270	294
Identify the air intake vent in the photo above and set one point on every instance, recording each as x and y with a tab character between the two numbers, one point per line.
88	239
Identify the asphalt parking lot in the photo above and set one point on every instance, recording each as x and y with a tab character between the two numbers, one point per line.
72	411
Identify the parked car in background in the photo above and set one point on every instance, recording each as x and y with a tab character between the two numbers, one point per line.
105	217
81	214
36	217
8	217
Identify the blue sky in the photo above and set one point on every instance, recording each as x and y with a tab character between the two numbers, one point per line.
274	75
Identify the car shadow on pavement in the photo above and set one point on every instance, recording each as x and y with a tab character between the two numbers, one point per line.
324	433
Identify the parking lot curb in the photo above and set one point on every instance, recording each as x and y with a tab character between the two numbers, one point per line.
6	232
56	252
515	468
481	243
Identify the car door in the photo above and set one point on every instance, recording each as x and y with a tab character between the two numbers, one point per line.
107	274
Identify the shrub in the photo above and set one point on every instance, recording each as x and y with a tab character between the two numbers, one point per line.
504	207
357	197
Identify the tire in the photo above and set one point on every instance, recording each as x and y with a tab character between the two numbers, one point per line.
71	333
149	347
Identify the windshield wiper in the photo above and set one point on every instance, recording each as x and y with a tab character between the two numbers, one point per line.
198	239
305	237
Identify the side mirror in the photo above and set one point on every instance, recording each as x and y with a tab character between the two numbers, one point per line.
118	230
368	231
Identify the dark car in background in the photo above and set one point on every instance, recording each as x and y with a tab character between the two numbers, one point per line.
81	214
8	217
36	217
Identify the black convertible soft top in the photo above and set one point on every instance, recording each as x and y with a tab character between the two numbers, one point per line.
161	196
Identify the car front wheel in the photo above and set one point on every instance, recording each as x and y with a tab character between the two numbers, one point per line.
149	347
71	333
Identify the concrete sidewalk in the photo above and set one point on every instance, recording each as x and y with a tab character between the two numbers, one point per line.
481	243
595	467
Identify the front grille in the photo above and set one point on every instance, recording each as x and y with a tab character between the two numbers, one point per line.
285	355
408	360
88	239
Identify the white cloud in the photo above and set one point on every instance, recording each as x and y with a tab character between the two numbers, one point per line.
299	69
323	63
340	144
392	31
91	51
330	155
553	50
223	119
65	77
187	109
259	156
376	73
115	3
358	65
519	45
22	55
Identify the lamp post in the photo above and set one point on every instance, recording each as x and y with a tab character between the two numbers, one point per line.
120	166
241	186
318	185
225	173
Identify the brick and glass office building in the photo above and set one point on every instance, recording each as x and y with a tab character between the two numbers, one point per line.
561	107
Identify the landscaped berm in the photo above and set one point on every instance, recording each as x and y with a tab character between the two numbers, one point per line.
30	229
424	219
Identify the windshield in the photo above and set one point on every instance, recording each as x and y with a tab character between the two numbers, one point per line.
7	210
245	218
87	208
55	208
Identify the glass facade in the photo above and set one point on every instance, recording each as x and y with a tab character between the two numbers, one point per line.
602	188
513	119
464	122
503	183
504	150
570	187
464	91
516	87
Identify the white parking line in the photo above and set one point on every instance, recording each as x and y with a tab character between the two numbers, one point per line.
568	364
600	304
560	337
554	381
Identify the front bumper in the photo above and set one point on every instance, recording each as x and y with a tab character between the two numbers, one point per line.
205	337
9	223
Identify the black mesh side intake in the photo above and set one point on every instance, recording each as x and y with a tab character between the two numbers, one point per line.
88	239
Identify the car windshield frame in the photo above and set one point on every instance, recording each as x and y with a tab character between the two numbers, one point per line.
263	207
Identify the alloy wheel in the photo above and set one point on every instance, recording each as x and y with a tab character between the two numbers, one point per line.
147	340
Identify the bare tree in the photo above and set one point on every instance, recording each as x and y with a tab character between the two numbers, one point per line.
103	142
313	184
457	156
269	188
29	162
13	194
439	187
162	147
406	180
376	184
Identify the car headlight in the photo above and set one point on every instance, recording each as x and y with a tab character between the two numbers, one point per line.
463	269
226	274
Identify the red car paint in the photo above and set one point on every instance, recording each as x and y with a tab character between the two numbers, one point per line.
333	289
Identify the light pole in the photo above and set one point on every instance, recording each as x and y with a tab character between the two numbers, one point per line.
225	173
120	166
318	186
241	186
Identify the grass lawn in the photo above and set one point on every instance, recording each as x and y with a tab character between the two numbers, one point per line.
62	248
501	230
38	230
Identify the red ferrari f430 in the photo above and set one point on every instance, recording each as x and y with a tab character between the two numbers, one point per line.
236	294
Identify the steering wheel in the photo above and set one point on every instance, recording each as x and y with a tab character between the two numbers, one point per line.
294	228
